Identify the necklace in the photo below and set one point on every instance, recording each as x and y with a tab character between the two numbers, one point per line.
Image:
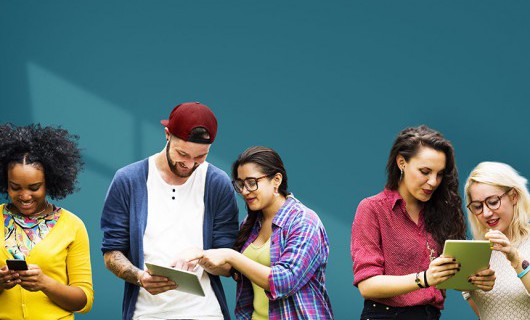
33	214
432	252
45	207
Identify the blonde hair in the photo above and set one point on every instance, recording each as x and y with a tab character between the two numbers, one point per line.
505	177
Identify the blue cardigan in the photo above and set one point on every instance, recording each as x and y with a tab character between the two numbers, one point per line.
124	219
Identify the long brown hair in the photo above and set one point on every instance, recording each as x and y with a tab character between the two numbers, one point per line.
269	163
444	217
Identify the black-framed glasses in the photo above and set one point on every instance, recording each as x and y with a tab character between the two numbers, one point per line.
251	184
492	202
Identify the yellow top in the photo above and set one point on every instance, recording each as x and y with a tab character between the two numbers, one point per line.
260	254
64	255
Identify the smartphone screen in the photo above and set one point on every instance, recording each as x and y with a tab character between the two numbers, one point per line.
17	264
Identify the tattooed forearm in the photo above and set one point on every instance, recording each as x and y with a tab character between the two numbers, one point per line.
118	263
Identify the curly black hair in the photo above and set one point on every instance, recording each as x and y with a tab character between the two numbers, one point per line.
54	148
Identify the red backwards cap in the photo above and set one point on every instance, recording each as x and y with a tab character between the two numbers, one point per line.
190	115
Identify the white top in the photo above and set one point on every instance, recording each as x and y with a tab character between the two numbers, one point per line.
508	299
175	223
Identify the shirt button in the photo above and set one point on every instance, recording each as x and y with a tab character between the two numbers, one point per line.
173	198
387	308
374	305
173	190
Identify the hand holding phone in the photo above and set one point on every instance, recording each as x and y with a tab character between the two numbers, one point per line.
16	264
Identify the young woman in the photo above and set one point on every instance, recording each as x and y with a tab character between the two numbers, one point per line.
498	210
282	249
398	234
36	163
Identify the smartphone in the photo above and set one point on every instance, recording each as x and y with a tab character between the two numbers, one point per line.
16	264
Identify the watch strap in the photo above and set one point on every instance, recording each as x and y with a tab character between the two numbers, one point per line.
418	281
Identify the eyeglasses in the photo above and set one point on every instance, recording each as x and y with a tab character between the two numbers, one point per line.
492	202
251	184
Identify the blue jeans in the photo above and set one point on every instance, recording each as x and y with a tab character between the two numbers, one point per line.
377	311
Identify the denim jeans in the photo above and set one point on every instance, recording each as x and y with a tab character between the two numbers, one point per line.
377	311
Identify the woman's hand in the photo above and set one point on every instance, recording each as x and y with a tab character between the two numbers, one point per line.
33	279
441	269
8	278
502	243
484	280
187	259
215	258
70	298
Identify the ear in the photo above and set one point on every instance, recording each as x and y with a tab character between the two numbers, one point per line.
514	196
278	178
400	161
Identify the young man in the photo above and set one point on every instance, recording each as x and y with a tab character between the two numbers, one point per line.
161	209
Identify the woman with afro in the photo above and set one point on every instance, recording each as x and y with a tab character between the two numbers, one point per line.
37	163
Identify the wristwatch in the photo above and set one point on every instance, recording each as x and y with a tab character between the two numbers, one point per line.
418	281
526	269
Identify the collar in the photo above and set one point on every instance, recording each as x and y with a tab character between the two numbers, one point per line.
280	219
393	198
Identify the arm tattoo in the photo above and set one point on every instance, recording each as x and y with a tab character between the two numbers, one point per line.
118	263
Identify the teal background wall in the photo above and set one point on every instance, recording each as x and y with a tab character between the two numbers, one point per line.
326	84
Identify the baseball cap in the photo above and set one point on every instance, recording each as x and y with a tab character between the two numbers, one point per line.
190	115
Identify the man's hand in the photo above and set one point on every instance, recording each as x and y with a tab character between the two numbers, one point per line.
155	284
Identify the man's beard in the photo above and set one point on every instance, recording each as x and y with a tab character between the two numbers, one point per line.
174	167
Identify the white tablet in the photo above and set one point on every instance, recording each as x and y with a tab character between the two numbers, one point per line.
186	281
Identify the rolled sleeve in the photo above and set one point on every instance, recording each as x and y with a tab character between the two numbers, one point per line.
366	251
115	217
225	224
302	256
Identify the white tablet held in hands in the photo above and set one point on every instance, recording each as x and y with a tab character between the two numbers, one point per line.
186	281
473	255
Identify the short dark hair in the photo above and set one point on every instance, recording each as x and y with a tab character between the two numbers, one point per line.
53	148
199	135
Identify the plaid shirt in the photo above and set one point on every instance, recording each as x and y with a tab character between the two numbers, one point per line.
299	253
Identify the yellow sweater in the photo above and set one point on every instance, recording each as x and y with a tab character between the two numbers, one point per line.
64	255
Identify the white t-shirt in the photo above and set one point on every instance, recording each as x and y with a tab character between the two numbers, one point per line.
175	223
